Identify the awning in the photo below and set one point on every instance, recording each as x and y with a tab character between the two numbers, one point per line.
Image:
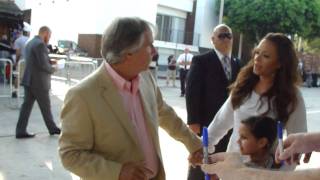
10	13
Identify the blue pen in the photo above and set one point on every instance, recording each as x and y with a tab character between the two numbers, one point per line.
280	138
205	149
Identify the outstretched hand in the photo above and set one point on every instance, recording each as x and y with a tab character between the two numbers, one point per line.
293	146
225	165
196	157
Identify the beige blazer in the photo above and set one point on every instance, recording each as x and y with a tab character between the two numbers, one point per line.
98	136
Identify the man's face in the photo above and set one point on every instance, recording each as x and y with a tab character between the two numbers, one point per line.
47	37
222	39
141	59
186	50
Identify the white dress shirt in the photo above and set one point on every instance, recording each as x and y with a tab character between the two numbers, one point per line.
185	57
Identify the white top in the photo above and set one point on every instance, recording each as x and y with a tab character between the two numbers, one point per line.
227	118
20	43
185	57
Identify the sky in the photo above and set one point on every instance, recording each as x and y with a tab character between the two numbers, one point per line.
68	18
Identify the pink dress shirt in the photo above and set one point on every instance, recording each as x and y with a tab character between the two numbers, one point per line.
129	92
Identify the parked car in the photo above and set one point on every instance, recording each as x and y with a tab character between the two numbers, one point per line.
52	49
67	46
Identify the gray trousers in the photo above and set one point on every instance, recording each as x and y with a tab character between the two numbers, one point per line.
43	99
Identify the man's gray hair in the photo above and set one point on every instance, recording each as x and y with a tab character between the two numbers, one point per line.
124	35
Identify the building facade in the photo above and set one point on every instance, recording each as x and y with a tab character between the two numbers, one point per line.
180	23
184	23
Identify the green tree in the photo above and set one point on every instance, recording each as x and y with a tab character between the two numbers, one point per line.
312	46
255	18
312	20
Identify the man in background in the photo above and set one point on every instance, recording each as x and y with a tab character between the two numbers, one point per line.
153	66
207	87
37	83
184	62
171	70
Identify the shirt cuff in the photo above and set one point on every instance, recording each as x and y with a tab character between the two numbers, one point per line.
211	149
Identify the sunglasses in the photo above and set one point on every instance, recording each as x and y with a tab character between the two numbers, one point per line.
225	35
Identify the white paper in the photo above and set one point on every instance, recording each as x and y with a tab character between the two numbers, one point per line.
61	63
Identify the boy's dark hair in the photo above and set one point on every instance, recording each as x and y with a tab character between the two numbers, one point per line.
262	126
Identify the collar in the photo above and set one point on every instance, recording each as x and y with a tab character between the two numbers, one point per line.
219	54
38	37
121	83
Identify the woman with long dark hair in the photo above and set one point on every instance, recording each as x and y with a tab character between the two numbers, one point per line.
267	86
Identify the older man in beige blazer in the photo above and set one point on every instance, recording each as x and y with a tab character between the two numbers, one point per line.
101	137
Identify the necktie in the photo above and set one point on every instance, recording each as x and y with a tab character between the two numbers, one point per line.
185	61
226	66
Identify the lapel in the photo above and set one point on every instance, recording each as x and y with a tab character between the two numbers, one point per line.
111	96
234	68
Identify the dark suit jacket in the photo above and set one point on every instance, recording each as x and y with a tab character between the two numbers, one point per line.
38	69
207	87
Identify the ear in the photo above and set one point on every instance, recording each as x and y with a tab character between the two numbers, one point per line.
262	142
126	57
212	39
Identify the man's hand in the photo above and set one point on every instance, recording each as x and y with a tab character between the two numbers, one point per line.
196	158
293	146
55	67
195	128
134	171
226	165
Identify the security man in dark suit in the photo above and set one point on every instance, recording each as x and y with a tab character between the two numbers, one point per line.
37	83
207	87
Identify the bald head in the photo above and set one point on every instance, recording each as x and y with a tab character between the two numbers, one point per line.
45	33
44	29
221	27
222	39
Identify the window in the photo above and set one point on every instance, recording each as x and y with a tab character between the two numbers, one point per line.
170	28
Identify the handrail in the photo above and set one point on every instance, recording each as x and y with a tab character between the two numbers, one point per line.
69	71
5	61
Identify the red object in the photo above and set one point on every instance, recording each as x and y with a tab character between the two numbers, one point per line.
53	61
8	71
